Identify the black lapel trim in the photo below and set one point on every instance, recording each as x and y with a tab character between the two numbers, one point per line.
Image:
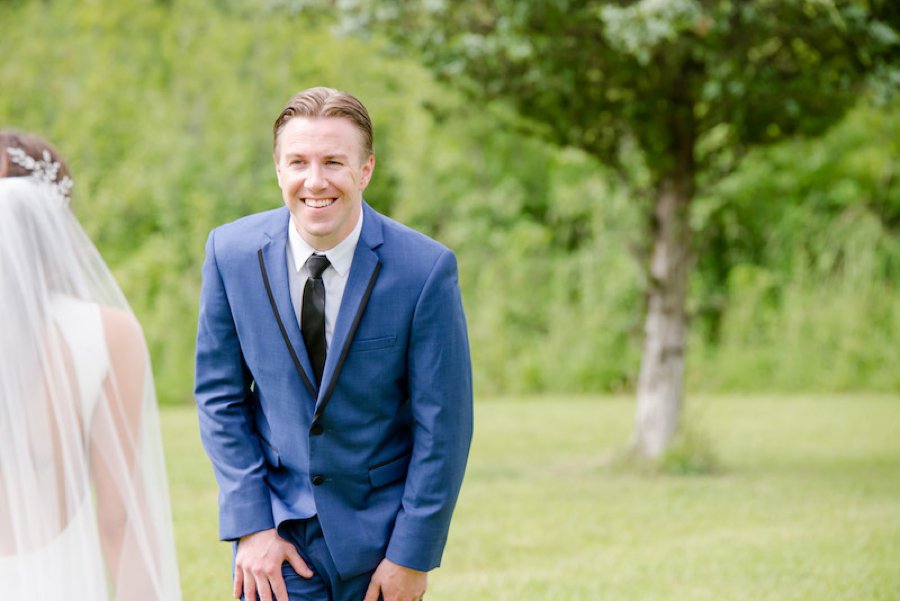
347	344
284	334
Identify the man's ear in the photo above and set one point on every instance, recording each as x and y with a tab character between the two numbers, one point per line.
277	170
367	169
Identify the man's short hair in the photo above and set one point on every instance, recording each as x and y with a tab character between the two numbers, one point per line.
326	102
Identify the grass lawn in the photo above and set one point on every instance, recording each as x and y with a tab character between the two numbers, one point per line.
805	505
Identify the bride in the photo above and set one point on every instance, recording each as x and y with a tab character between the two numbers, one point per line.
84	505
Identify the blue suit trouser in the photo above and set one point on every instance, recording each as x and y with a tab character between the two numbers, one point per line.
326	584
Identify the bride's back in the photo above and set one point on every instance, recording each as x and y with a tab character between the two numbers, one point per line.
48	398
83	496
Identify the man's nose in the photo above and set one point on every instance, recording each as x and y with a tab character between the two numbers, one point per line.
315	178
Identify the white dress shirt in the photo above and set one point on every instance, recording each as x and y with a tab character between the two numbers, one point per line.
334	277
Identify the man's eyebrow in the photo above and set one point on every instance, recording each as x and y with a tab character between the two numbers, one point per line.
327	156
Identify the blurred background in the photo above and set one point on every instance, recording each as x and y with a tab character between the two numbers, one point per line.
164	111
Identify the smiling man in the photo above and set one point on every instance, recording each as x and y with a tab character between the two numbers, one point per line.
333	378
323	165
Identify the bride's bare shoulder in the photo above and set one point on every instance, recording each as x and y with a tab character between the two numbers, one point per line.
123	332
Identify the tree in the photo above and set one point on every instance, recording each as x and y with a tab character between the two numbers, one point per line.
686	86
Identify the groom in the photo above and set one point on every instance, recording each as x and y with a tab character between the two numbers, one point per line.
333	378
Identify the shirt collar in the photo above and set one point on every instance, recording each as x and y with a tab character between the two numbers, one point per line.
340	256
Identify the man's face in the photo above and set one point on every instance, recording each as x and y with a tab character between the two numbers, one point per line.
322	171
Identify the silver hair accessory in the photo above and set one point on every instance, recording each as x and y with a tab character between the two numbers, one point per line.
45	171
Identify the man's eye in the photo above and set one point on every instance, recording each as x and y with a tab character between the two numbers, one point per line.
332	163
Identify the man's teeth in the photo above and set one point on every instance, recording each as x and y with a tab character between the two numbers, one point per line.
318	203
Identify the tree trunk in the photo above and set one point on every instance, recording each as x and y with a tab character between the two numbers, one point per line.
660	383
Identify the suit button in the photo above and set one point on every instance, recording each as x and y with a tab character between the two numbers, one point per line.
316	429
318	480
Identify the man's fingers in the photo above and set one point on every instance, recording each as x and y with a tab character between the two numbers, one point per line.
262	588
293	558
276	581
263	584
372	592
249	587
238	583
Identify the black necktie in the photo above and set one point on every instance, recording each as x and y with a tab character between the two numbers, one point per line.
312	315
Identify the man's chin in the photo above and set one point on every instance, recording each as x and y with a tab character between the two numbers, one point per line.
320	236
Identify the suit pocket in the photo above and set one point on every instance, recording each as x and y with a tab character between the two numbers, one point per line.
371	344
389	472
264	435
270	452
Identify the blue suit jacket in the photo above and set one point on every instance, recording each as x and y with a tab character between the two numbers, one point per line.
378	452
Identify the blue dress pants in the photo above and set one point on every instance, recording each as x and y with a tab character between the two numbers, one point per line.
325	584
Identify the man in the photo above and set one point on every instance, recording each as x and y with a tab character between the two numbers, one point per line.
333	377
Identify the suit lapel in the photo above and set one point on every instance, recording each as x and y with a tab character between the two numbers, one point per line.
272	258
361	281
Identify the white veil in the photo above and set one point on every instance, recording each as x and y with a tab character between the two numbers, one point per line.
84	503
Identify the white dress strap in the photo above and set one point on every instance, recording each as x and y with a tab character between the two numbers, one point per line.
82	328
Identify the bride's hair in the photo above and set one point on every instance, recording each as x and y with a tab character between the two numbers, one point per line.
28	231
35	150
34	146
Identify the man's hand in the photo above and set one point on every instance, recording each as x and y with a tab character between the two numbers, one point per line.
396	583
257	566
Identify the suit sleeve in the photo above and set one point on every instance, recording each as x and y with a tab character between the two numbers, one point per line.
225	403
440	389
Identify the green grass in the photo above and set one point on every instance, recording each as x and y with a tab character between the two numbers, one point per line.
805	504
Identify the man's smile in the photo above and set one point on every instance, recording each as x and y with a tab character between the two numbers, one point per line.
318	203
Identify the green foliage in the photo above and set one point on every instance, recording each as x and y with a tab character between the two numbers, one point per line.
666	73
797	287
164	111
691	84
540	260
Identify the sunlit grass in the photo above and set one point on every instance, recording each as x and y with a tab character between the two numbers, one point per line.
805	505
204	562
